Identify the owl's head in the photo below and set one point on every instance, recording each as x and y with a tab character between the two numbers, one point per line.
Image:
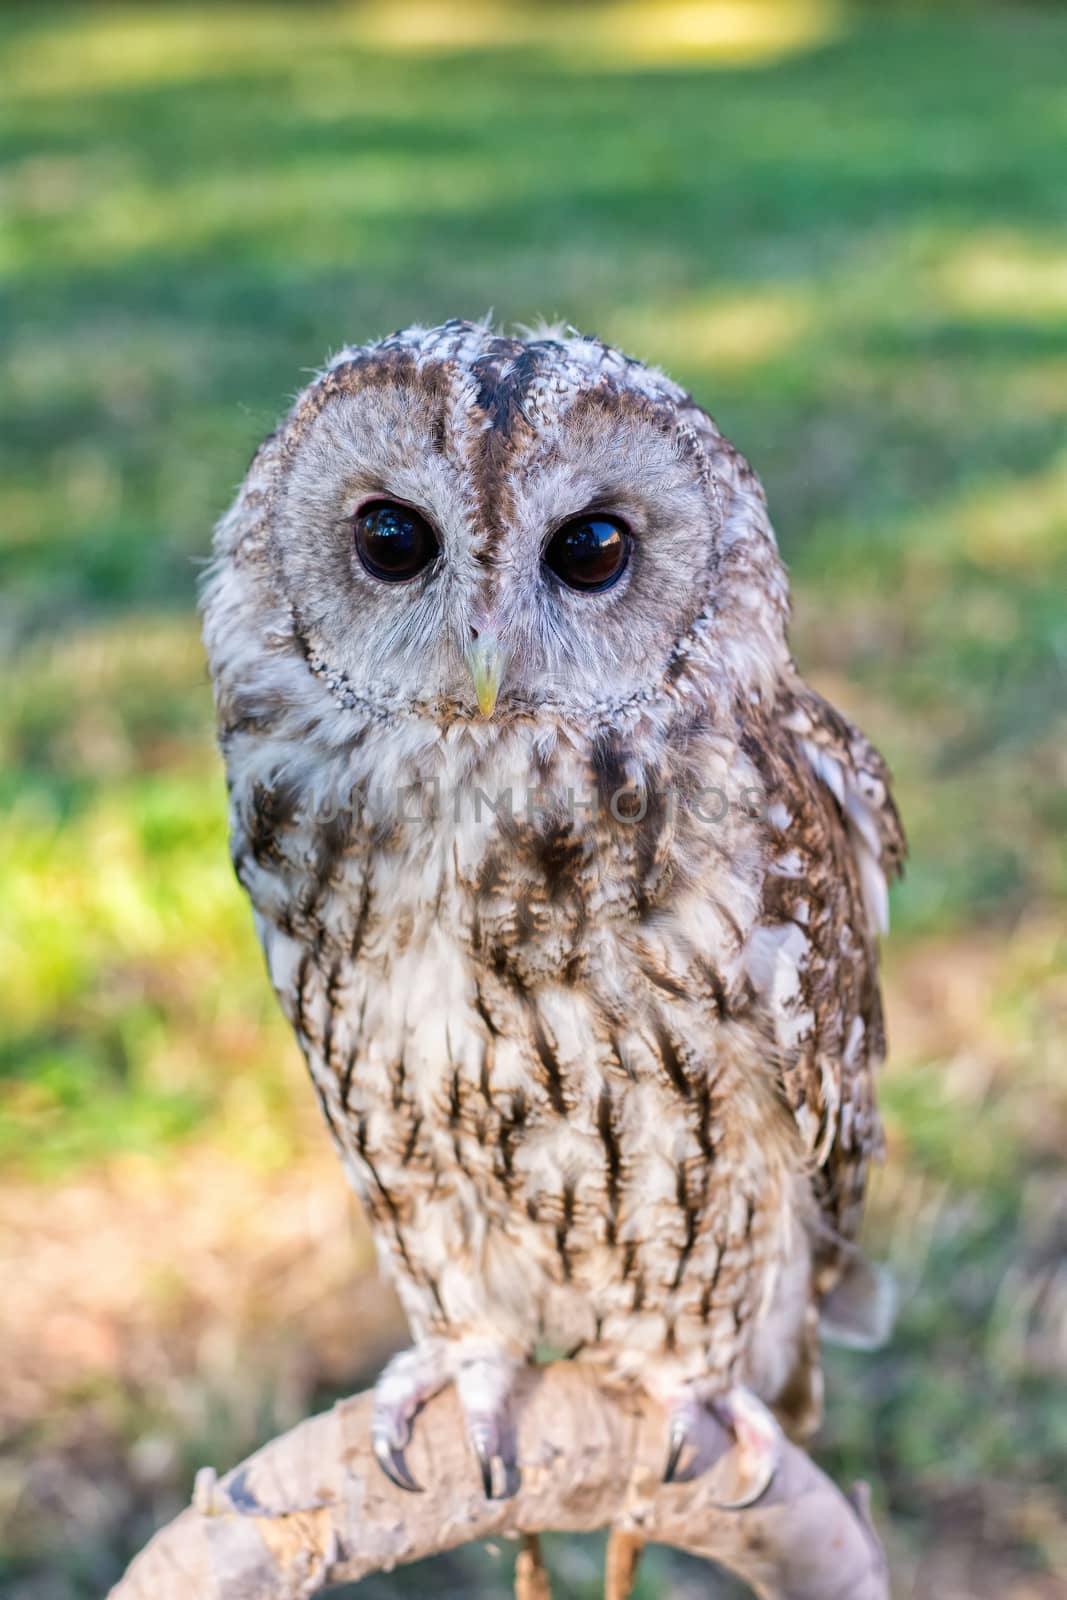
455	526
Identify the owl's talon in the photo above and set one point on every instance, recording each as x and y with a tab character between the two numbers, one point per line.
486	1457
757	1446
684	1417
678	1436
753	1459
485	1466
483	1376
484	1381
406	1383
390	1458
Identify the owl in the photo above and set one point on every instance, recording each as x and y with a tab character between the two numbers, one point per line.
568	884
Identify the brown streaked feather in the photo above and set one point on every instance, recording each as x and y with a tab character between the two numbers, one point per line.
828	1075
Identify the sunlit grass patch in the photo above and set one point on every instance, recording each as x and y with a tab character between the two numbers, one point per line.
129	979
720	32
71	1106
107	701
720	332
240	211
663	33
974	1052
1003	274
124	48
127	961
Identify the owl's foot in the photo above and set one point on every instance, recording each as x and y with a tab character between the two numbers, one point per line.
483	1381
483	1376
757	1441
407	1382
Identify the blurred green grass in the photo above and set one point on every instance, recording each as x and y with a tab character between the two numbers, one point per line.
842	226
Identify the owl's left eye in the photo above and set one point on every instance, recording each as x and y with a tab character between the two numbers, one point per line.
590	552
393	541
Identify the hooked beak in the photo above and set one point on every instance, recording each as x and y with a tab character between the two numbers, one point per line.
486	659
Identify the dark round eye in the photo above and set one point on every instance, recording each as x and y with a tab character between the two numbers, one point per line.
393	541
589	552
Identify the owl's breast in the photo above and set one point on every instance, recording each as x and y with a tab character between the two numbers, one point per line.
527	1032
486	962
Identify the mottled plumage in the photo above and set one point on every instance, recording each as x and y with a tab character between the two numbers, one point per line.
599	1062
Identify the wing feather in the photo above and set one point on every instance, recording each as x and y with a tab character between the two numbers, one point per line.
834	842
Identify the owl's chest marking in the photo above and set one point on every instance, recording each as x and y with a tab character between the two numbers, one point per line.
531	1046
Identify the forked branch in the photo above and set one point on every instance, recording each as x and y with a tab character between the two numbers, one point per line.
312	1509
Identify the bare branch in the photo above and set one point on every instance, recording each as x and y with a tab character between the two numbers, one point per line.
312	1508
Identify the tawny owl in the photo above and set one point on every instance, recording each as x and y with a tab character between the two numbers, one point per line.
568	884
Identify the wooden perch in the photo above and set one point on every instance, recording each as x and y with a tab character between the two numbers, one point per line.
312	1508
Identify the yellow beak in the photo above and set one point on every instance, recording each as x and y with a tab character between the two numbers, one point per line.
486	660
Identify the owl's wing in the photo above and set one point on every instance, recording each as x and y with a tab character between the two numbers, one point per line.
834	840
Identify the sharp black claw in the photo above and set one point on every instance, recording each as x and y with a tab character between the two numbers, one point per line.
674	1455
511	1479
390	1458
756	1449
485	1466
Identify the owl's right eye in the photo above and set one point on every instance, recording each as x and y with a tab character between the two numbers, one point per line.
392	540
